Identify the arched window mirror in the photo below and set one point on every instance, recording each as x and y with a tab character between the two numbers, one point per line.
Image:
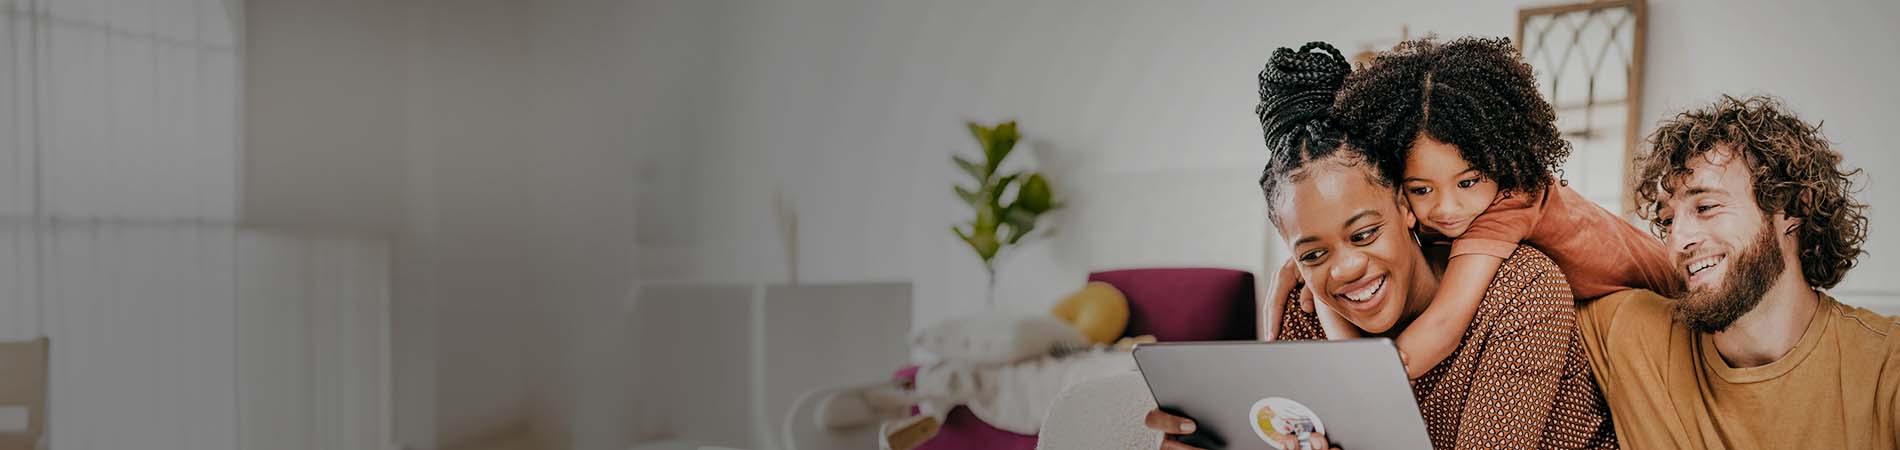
1589	62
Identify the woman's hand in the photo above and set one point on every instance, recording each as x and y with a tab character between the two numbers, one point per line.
1180	433
1282	284
1317	439
1177	432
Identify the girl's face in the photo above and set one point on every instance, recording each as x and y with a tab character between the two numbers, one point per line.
1352	243
1442	189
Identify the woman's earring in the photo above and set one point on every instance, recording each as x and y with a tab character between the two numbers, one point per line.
1415	239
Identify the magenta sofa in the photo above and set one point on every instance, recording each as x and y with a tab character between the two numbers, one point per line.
1184	304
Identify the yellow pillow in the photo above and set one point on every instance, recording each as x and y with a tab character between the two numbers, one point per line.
1098	310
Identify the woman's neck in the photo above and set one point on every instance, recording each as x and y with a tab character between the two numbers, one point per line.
1425	274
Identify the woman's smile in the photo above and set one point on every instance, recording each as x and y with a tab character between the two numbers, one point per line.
1364	295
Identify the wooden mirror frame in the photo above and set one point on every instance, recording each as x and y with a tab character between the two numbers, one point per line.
1633	98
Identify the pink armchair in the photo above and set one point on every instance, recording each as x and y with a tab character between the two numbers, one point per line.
1184	304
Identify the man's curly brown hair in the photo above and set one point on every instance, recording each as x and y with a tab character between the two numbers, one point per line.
1795	170
1474	93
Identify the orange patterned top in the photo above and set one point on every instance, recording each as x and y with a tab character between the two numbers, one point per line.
1520	379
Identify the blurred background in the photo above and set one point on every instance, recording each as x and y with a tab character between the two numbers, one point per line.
600	224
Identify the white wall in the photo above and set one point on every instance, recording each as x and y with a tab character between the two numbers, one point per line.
603	97
405	118
327	126
1142	112
507	157
470	135
1825	59
324	114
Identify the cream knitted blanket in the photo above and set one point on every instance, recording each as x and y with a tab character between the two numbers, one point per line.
1103	413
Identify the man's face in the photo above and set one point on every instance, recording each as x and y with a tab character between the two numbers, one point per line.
1726	247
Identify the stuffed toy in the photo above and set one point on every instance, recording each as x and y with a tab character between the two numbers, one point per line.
1099	311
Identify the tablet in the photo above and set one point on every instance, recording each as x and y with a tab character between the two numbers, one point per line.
1250	393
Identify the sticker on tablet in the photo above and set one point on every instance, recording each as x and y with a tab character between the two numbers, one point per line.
1275	418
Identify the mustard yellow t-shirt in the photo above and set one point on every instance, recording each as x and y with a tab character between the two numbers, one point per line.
1668	388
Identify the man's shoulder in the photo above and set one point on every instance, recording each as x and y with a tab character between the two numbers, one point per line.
1641	302
1862	319
1869	344
1635	313
1864	328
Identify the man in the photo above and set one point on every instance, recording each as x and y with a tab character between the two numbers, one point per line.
1755	208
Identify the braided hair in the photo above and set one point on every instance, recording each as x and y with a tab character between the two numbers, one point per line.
1296	100
1473	93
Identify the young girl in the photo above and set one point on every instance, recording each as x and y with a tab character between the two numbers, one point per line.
1461	129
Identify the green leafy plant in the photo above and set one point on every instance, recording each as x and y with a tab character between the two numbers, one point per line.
1002	220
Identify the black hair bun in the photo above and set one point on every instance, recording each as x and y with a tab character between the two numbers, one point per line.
1296	92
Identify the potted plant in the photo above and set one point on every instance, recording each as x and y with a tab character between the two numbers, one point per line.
1007	205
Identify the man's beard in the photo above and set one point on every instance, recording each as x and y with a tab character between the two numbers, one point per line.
1712	310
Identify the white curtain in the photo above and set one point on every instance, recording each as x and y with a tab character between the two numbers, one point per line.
142	319
134	106
110	110
172	327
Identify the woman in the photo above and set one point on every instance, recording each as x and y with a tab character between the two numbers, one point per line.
1518	379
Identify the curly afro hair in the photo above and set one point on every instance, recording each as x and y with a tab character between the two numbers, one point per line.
1795	171
1473	93
1296	97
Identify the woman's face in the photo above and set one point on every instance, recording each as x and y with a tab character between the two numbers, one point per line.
1351	242
1442	189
